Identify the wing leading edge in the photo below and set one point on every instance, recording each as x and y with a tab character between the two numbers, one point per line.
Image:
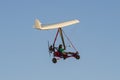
38	24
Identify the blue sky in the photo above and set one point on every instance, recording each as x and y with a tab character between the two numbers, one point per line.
24	53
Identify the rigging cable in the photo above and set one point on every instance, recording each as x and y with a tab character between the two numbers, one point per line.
69	41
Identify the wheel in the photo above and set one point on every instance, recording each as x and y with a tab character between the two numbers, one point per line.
54	60
77	56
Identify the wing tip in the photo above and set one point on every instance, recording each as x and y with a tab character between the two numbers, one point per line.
77	21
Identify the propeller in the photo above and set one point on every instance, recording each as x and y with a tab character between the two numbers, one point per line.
50	47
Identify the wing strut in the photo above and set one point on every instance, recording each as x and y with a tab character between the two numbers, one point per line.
62	38
61	34
69	41
56	37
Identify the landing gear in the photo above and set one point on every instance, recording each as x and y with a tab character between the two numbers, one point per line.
77	56
54	60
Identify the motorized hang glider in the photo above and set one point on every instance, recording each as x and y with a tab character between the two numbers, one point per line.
53	49
40	26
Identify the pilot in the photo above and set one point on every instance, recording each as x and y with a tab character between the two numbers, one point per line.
60	49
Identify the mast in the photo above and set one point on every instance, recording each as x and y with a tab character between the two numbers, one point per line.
62	38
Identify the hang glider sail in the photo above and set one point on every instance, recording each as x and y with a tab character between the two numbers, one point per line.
40	26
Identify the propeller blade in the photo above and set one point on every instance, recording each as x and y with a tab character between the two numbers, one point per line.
48	48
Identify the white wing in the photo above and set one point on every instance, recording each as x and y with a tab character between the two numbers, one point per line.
38	25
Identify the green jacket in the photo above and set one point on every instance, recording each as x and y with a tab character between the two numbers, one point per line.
61	50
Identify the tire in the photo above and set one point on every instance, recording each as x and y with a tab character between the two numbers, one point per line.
54	60
77	56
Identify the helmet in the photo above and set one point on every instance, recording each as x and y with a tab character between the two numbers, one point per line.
60	46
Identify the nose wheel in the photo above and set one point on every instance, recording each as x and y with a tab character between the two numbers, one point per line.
54	60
